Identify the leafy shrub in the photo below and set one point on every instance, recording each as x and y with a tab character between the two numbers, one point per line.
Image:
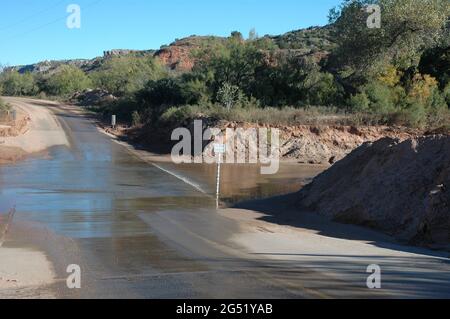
446	94
15	84
164	92
359	102
381	98
436	62
195	89
67	80
4	107
127	74
324	90
228	95
180	114
414	115
136	119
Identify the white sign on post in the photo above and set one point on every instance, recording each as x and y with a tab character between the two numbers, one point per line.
219	149
113	121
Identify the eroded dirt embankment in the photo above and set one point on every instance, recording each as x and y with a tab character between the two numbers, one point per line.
322	144
306	144
399	187
14	127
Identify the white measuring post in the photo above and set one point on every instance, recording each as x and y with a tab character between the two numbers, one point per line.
113	121
219	149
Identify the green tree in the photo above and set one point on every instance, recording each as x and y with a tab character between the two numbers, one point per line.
11	83
237	35
29	85
228	95
381	97
359	102
322	89
408	28
15	84
436	62
424	90
237	63
67	80
3	106
128	74
157	96
195	89
446	94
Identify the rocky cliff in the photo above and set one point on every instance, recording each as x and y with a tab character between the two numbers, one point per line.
177	56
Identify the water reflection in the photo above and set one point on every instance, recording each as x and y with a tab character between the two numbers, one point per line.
130	218
245	182
83	199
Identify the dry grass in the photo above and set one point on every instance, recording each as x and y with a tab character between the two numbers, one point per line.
288	116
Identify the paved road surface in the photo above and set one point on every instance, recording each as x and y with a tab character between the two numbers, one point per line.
138	232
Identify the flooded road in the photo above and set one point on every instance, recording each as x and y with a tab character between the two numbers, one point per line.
135	230
139	229
245	182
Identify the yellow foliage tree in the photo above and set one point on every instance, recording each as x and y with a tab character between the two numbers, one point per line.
422	88
390	76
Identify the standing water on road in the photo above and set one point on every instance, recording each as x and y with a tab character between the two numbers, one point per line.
138	231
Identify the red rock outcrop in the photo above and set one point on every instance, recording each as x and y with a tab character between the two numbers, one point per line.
177	58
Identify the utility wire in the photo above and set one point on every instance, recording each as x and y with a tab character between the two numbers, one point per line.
51	22
31	16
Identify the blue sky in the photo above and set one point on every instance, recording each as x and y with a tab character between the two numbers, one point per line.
35	30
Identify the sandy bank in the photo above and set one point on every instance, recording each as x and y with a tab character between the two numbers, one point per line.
22	271
399	187
25	272
305	241
43	131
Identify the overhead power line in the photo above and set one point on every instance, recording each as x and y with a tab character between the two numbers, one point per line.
17	23
61	18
